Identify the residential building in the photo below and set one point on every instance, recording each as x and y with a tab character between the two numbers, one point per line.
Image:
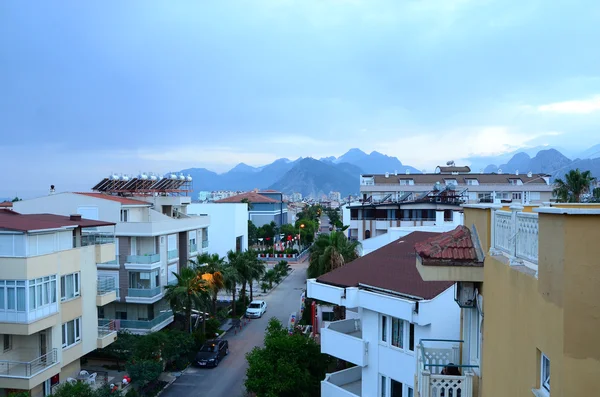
49	295
6	205
527	283
335	196
472	187
370	219
296	197
155	238
389	309
228	225
263	207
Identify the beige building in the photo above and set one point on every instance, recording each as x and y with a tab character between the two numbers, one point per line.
528	283
49	297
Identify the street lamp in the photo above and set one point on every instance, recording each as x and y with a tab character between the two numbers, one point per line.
300	227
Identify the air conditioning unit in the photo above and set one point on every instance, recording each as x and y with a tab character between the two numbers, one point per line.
465	294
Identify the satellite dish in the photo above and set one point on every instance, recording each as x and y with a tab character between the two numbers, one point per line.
450	163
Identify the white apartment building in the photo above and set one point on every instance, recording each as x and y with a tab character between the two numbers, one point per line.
390	310
49	295
155	238
229	223
515	188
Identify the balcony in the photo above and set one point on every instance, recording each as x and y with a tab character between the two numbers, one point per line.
107	334
144	292
94	239
173	254
146	259
433	355
515	234
143	326
193	248
345	383
106	291
27	374
343	339
204	244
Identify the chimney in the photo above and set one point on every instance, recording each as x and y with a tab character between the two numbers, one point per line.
439	217
75	217
52	189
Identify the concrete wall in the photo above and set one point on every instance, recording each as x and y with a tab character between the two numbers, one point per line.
68	203
228	221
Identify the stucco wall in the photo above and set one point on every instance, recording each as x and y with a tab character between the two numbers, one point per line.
482	219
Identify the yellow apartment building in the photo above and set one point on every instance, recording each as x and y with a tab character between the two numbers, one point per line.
528	283
49	295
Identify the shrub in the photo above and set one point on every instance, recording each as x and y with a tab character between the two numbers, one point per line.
264	286
143	372
212	326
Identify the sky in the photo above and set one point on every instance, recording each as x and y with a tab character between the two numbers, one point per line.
95	87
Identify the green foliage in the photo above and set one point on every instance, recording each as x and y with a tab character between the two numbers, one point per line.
212	327
270	277
190	292
264	286
143	371
150	346
16	199
268	231
282	268
176	348
575	184
78	389
122	349
287	365
307	233
330	252
19	394
312	212
252	233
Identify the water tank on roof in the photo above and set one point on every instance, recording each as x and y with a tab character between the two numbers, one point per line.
189	178
153	177
124	178
143	177
182	177
173	176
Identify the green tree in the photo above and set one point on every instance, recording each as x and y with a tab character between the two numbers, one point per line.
282	268
268	232
573	186
122	348
239	262
16	199
307	233
270	277
231	277
252	233
256	269
210	268
287	365
247	201
190	292
288	230
143	372
78	389
596	195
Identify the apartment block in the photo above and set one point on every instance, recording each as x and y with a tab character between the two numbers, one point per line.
390	308
49	296
527	281
155	238
263	207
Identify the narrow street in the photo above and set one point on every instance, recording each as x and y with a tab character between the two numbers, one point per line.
227	380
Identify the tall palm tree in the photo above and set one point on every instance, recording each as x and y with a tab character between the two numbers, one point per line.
270	277
573	186
210	267
238	261
190	292
256	269
230	280
329	252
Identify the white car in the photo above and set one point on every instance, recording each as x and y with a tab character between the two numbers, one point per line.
256	309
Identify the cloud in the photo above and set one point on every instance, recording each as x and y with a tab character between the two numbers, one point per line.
582	106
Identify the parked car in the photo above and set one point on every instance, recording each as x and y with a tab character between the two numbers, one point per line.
256	309
211	352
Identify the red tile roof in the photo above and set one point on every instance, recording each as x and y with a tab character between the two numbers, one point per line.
252	197
12	220
122	200
453	246
391	267
6	204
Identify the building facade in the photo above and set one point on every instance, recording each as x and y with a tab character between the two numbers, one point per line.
49	295
389	309
155	237
263	207
529	297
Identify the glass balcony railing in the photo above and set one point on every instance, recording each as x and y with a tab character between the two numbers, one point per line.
172	254
94	239
144	292
105	285
140	324
143	259
193	247
204	243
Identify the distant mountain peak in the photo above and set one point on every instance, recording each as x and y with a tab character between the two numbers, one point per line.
243	167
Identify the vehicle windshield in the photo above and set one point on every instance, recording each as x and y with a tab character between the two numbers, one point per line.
209	348
254	306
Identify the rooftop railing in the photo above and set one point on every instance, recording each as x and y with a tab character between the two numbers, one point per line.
515	233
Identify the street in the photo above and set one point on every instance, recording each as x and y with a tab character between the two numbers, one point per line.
227	380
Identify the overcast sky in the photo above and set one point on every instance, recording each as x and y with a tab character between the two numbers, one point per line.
93	87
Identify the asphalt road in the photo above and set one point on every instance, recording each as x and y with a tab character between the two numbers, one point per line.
227	380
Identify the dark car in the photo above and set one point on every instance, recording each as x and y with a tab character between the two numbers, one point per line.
212	352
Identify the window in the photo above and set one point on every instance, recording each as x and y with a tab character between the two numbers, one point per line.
397	333
395	389
124	215
384	328
545	379
71	332
472	182
12	295
517	196
327	316
383	383
410	392
69	286
411	337
406	182
7	342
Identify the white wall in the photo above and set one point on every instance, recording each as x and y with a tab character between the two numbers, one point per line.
89	316
394	233
68	203
227	221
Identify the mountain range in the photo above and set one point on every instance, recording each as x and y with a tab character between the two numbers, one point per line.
312	177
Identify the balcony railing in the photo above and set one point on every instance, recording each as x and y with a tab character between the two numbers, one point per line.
515	233
343	339
94	239
204	243
172	254
143	259
105	285
193	247
433	355
345	383
28	369
144	292
107	329
140	324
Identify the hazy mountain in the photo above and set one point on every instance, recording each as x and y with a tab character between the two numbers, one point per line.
245	168
478	163
591	153
314	178
329	159
374	163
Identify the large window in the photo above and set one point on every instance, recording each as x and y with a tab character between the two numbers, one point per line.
392	388
69	286
384	328
12	295
545	376
42	291
144	280
71	332
396	388
397	333
124	215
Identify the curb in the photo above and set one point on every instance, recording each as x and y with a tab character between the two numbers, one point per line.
278	284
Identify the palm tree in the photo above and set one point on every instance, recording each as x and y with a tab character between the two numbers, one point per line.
330	252
230	280
256	269
237	260
211	269
190	292
575	184
282	268
270	277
